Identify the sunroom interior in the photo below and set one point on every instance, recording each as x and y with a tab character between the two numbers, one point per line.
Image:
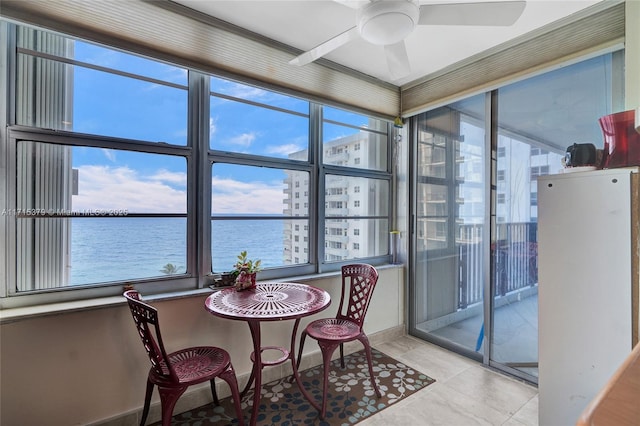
66	336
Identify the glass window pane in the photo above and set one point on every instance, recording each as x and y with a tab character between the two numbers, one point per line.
113	105
353	119
249	129
355	238
450	223
73	203
100	101
363	147
255	121
279	235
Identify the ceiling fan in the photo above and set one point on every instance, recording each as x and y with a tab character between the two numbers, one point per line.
388	22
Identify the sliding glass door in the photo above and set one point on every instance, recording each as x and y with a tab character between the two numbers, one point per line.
450	223
474	276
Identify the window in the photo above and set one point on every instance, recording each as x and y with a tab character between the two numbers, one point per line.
538	151
93	216
370	215
539	171
342	130
102	92
269	222
356	232
344	177
114	203
128	200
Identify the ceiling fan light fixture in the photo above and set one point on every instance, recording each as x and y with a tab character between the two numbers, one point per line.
387	22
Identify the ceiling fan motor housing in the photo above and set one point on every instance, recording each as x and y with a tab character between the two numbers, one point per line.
387	22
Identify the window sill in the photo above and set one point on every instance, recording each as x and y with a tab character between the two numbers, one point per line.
28	312
17	314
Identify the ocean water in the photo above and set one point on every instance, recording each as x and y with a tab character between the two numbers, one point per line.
126	248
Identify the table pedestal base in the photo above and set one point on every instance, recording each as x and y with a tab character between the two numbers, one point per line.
259	364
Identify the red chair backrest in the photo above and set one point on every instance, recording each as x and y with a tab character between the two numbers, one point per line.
361	280
146	318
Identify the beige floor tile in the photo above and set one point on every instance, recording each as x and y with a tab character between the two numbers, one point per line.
440	405
434	361
465	392
493	389
528	415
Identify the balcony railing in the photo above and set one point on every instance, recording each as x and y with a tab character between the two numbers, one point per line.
514	261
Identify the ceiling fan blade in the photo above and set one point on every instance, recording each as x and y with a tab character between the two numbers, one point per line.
397	60
353	4
500	13
326	47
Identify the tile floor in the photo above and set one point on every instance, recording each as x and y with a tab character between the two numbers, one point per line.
515	333
465	393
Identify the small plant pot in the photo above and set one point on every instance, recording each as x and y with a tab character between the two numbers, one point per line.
245	280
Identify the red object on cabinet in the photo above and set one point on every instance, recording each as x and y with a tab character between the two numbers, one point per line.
621	140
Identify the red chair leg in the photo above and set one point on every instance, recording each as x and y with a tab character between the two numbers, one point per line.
214	392
147	402
367	350
327	349
303	336
229	376
168	399
342	355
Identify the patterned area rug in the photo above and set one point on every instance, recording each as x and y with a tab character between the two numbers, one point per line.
351	397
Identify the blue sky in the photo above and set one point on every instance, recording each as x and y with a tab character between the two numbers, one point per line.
113	105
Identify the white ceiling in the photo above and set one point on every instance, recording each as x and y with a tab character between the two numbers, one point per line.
305	24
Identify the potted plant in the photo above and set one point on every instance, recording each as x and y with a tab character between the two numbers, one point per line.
245	270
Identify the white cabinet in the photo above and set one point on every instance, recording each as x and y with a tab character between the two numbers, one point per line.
588	281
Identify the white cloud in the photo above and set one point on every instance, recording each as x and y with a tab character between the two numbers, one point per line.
110	154
244	92
163	175
244	140
104	187
232	196
213	126
285	149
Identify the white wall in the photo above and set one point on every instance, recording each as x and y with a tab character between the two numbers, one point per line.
86	367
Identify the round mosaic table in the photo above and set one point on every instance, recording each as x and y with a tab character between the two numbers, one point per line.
269	302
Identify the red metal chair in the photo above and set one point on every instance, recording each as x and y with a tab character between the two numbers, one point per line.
173	373
347	325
